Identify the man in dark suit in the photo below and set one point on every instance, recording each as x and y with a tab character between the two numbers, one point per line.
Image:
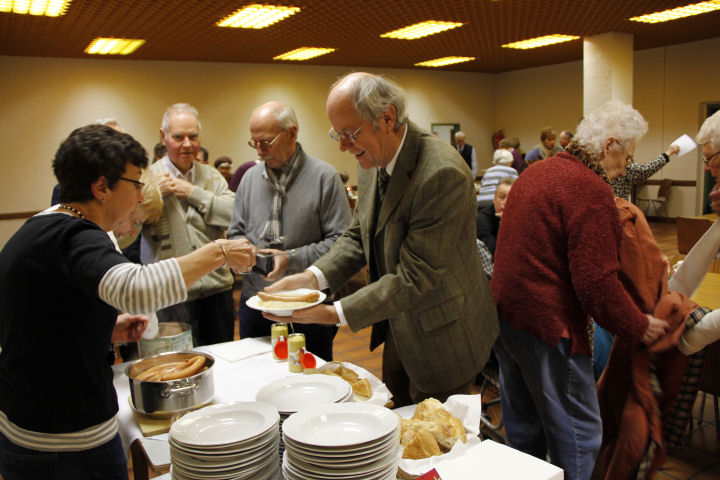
428	300
467	151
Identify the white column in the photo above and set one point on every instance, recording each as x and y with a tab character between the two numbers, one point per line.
607	69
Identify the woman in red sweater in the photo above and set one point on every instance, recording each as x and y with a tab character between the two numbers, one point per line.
548	285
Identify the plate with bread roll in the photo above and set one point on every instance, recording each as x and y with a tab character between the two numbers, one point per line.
366	387
285	302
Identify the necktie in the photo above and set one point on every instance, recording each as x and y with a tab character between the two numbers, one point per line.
383	179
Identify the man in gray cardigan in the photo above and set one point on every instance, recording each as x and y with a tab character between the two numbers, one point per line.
292	205
197	205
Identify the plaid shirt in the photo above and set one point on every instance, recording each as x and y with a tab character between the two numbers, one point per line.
486	257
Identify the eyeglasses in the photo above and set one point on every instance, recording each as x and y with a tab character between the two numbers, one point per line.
263	144
348	137
138	185
707	160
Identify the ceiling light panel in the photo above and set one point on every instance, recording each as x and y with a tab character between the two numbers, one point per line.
49	8
257	16
113	46
540	41
441	62
422	29
304	53
679	12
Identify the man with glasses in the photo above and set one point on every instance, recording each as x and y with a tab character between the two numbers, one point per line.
414	226
197	209
292	206
709	138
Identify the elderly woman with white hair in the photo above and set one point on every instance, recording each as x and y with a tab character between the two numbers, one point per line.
709	138
556	267
502	159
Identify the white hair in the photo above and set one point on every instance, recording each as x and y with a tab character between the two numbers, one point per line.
371	96
179	108
710	131
613	119
502	157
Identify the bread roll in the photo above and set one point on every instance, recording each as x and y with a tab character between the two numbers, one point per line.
422	445
362	387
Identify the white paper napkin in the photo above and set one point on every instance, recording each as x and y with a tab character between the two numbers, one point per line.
245	348
685	143
465	407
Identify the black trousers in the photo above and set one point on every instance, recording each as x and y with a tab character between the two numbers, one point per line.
212	319
318	338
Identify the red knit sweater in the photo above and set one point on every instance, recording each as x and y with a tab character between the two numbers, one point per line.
556	261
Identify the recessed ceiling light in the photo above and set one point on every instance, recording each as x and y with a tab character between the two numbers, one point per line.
422	29
679	12
441	62
113	46
540	41
49	8
257	16
303	53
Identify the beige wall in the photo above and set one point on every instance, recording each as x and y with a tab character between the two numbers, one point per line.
43	99
669	85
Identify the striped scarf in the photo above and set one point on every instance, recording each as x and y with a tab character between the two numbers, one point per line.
272	233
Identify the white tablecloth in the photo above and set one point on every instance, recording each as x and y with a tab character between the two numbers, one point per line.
237	380
241	379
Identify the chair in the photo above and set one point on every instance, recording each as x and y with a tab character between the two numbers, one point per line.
658	202
689	231
488	429
710	383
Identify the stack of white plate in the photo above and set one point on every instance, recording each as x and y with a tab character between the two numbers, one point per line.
238	441
297	392
345	441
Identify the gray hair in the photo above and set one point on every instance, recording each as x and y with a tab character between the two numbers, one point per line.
507	181
613	119
179	108
460	134
285	116
372	95
502	157
110	122
710	131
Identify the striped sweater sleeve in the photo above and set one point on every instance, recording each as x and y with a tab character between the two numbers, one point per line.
138	289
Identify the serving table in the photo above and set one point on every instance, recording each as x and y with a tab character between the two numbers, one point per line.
708	293
243	367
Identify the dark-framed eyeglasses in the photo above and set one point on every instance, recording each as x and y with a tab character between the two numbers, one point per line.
138	185
707	160
263	144
348	137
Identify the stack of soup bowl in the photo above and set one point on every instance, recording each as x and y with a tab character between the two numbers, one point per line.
342	441
230	441
297	392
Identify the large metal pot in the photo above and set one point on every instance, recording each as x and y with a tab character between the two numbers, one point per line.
168	398
171	337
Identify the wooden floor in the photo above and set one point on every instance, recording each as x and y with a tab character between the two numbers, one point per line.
699	459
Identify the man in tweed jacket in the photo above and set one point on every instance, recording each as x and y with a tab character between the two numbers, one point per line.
428	300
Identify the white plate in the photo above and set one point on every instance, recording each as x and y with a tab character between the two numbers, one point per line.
294	393
254	302
340	424
225	424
